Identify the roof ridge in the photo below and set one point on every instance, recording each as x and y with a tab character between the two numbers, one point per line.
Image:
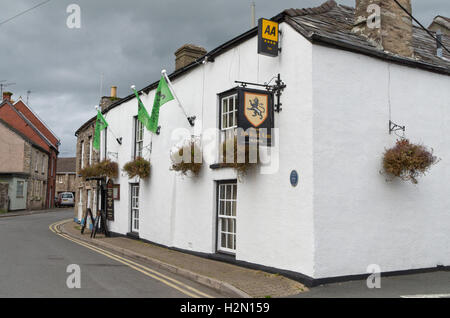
323	8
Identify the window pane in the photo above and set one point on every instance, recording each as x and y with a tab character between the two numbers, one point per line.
229	192
222	208
225	121
224	106
230	241
222	192
223	241
233	211
228	210
234	192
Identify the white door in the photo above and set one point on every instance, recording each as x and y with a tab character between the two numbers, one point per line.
226	230
135	208
80	205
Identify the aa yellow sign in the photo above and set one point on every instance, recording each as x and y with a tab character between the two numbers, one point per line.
267	37
270	30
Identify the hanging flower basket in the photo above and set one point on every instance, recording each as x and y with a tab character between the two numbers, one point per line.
105	168
408	161
187	158
139	167
242	160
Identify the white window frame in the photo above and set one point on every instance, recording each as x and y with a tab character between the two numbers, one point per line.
227	112
227	131
82	154
135	208
90	150
226	216
138	138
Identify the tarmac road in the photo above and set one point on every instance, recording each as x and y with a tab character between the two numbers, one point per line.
34	262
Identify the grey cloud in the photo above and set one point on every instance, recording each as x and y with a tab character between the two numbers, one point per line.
128	41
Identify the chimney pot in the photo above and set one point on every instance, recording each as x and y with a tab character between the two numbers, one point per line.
114	91
7	96
187	54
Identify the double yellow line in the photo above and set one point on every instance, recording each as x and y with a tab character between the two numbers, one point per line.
169	281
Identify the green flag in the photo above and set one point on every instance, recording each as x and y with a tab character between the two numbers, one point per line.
100	124
162	96
143	116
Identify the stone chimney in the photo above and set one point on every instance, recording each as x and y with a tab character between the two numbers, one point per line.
7	96
187	54
393	33
107	101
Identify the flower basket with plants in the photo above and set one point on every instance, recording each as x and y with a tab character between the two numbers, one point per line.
408	161
138	167
187	158
243	156
105	168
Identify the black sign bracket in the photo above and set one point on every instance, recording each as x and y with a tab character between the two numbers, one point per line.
276	89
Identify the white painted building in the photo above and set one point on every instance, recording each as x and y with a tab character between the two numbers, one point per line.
341	92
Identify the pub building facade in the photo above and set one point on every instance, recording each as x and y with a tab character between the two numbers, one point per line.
317	208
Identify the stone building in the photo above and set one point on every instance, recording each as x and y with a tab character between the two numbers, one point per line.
65	175
24	167
86	192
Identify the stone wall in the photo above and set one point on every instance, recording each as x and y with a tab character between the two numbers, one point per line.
37	182
68	183
80	185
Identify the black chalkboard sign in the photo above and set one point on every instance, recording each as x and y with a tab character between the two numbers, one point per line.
110	200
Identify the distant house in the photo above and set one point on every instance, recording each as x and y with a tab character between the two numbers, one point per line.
23	166
66	175
22	119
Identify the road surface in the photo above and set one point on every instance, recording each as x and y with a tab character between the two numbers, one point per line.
34	262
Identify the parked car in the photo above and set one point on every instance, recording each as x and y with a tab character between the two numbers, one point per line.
65	199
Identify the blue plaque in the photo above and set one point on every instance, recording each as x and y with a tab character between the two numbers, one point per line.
294	178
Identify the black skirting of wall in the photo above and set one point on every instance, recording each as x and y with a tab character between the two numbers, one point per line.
299	277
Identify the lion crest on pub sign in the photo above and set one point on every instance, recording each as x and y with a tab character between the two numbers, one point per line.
256	108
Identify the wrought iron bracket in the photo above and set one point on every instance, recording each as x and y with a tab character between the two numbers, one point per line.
394	127
191	120
276	89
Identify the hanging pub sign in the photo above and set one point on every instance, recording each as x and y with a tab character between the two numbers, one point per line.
255	116
268	37
110	200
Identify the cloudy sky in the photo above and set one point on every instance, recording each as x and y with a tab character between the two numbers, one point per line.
127	41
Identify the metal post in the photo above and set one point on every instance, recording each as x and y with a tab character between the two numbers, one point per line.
191	119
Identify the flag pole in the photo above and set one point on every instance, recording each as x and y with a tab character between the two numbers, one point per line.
119	140
191	119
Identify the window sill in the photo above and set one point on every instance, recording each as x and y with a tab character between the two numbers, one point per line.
215	166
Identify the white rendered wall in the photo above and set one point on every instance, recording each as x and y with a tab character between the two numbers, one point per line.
274	220
359	218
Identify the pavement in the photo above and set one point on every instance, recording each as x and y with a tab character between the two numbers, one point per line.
223	277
